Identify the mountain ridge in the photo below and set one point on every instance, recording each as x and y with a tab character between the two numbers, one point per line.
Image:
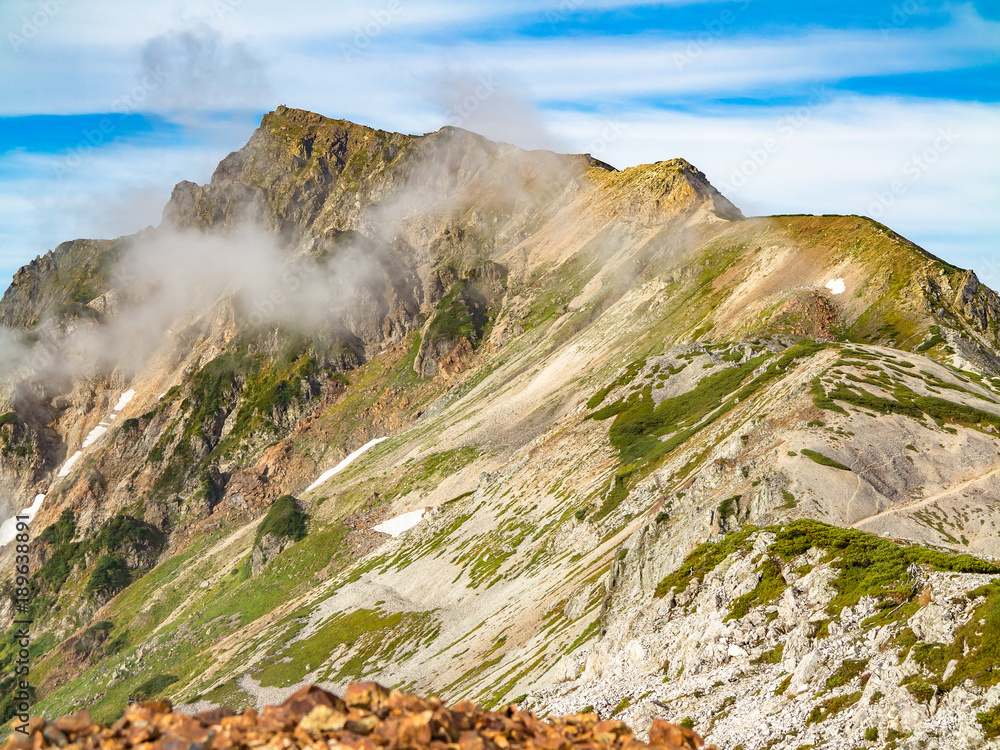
582	374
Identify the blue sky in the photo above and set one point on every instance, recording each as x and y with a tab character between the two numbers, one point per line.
890	109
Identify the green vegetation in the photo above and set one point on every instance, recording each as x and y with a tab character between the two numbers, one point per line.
624	379
935	339
848	671
123	531
622	705
867	564
976	647
773	656
783	685
728	507
871	734
824	460
110	576
639	425
702	561
259	387
284	518
153	687
771	586
687	722
373	637
990	722
922	691
822	401
909	404
61	532
461	314
832	707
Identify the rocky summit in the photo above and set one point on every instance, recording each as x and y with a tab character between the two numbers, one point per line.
502	426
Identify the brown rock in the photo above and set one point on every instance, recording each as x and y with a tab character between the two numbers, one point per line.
305	700
323	719
73	724
213	716
672	736
363	725
369	695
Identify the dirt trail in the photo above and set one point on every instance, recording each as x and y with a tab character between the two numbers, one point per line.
927	500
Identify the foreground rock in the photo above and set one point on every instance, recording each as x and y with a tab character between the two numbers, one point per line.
368	717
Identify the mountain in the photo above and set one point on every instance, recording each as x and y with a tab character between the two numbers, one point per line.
635	452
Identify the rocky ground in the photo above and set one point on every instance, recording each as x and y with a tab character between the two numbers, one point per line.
792	672
369	717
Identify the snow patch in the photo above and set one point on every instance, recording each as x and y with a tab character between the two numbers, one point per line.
94	435
836	286
396	526
126	397
344	464
68	466
8	530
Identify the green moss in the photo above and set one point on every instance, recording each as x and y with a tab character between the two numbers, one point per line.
990	722
153	687
824	460
867	564
110	576
8	418
848	671
773	656
702	561
832	707
284	518
783	685
728	507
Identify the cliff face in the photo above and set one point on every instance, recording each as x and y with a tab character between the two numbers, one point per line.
582	374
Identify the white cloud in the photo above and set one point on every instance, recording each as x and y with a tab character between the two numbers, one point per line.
882	157
114	191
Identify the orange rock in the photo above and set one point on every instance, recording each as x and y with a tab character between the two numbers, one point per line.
303	701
